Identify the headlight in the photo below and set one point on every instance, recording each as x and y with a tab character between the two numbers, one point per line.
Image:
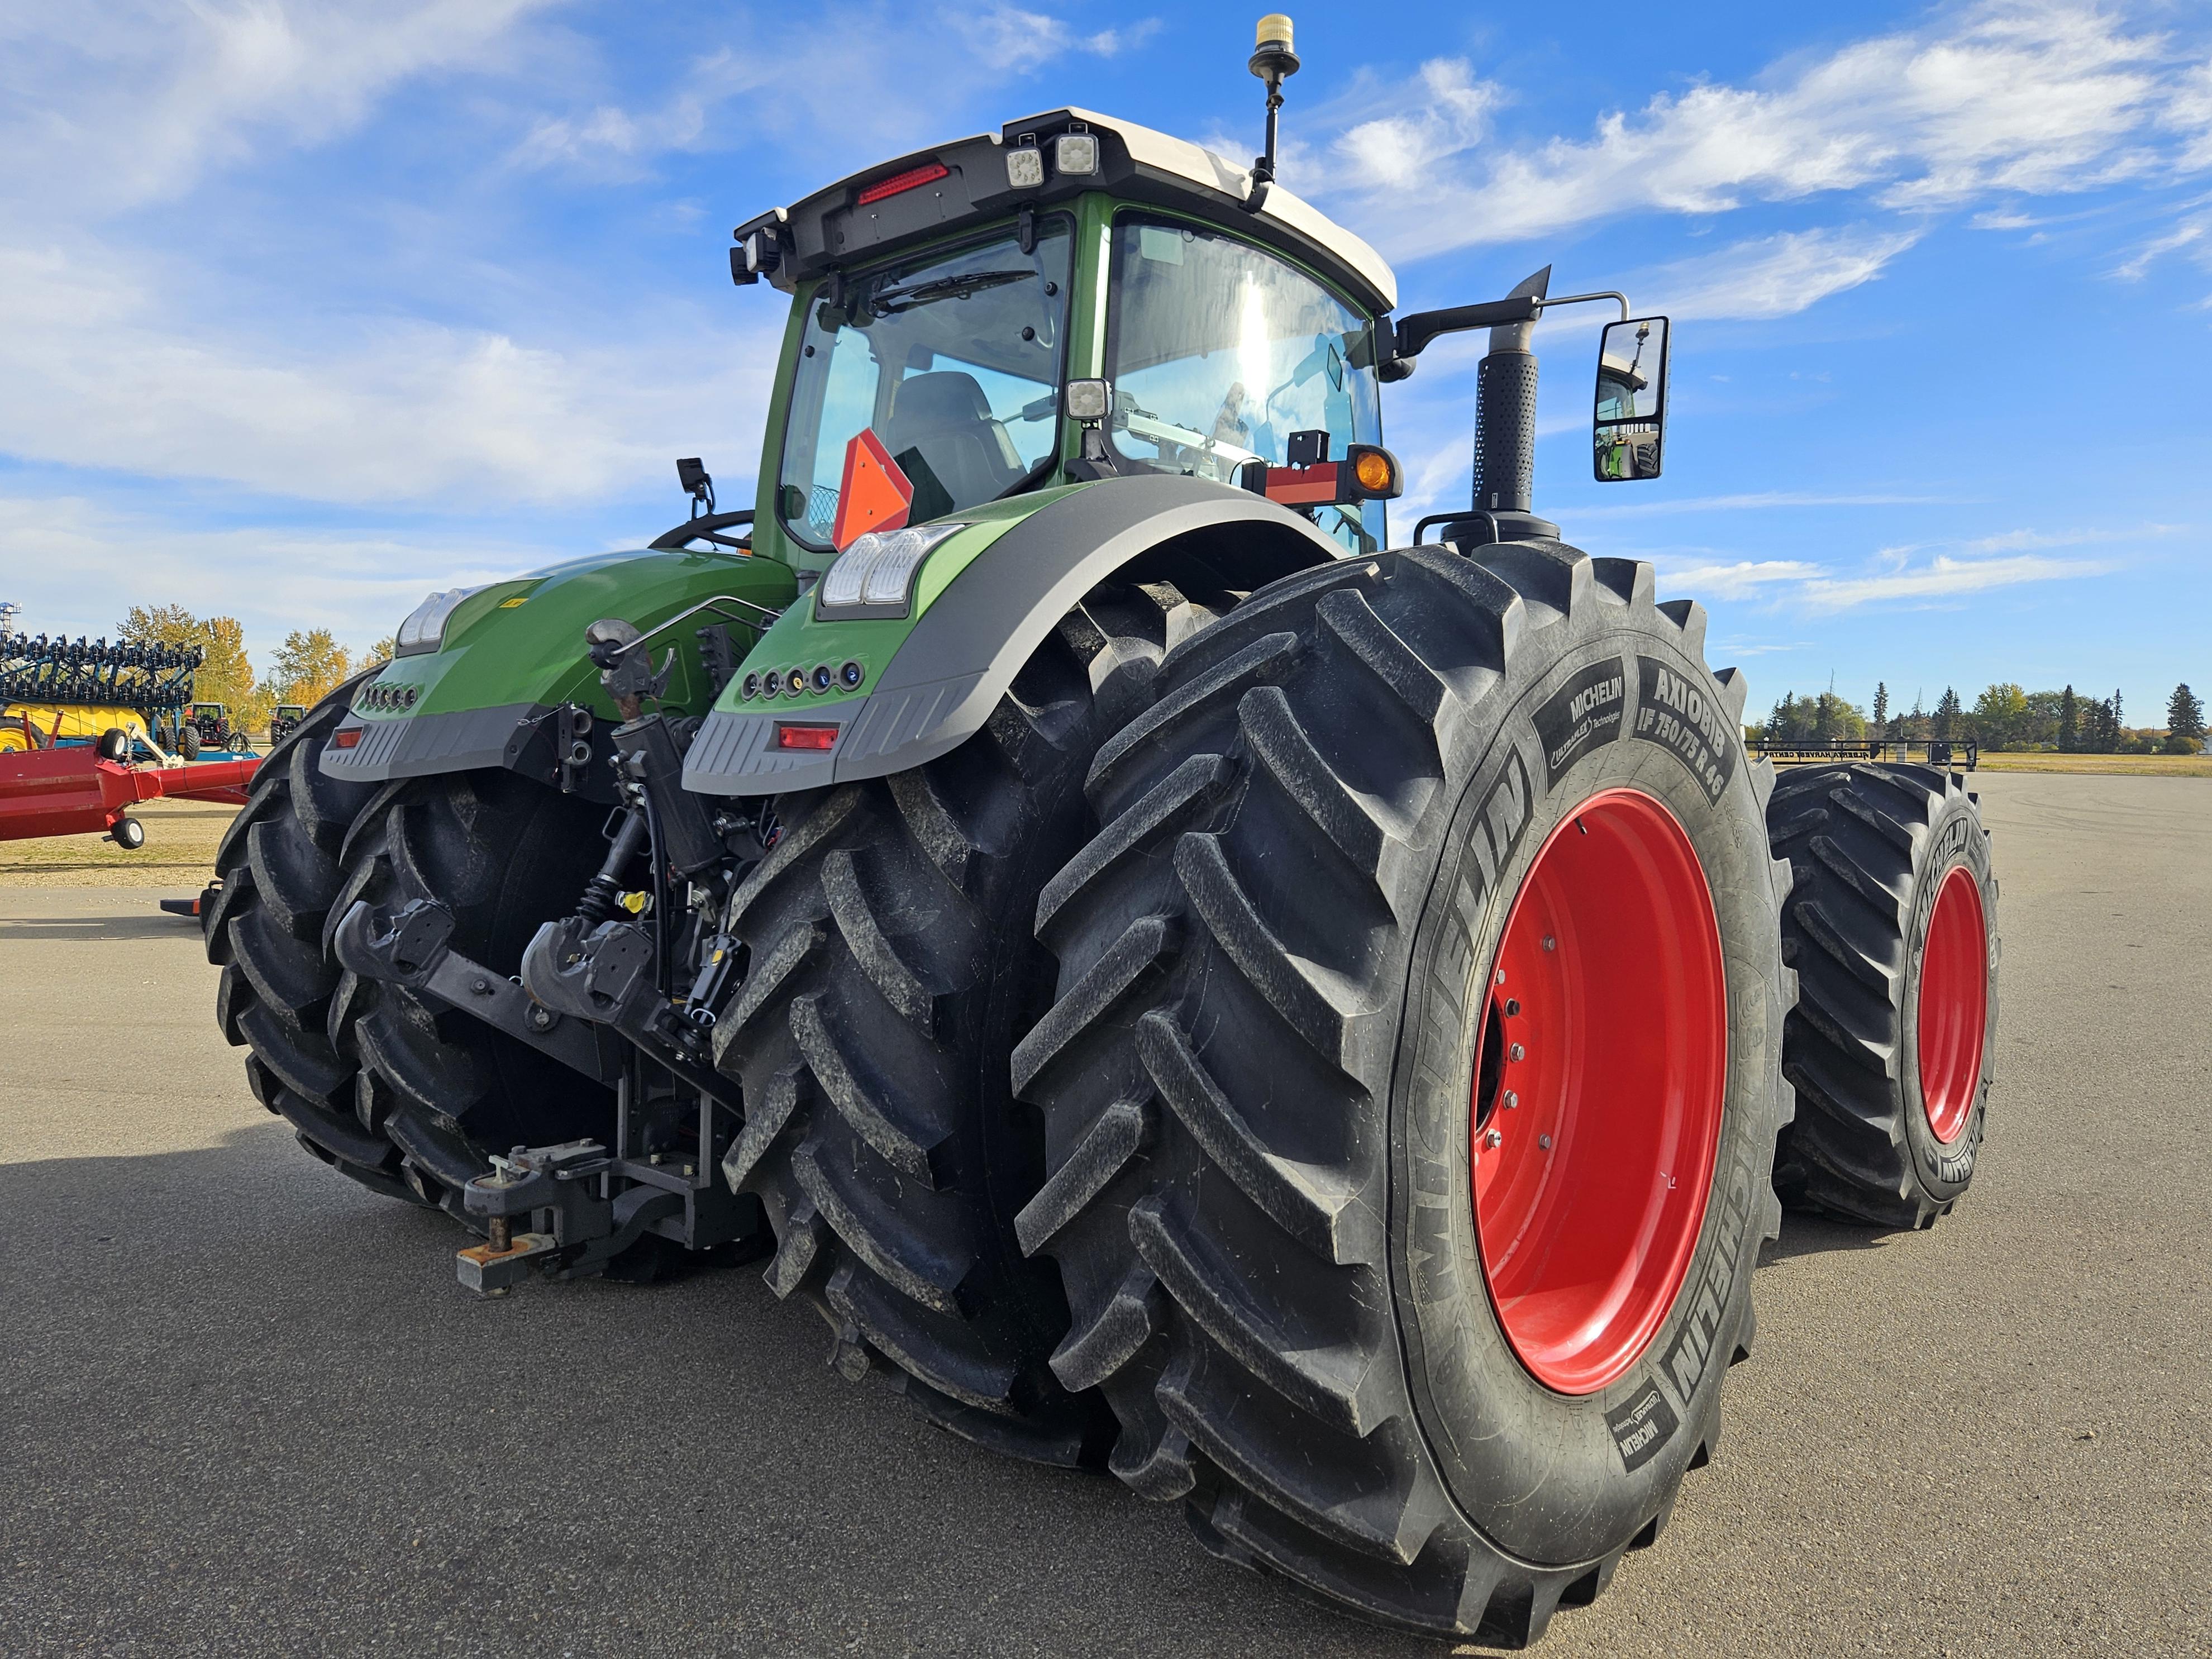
425	627
876	573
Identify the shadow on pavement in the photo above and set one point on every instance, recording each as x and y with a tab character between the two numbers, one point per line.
156	923
1817	1235
249	1411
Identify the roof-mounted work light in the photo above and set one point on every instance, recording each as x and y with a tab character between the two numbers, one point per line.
1275	60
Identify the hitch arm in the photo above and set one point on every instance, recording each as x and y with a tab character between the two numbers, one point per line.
409	948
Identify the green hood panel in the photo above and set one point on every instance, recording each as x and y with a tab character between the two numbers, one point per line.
522	641
513	655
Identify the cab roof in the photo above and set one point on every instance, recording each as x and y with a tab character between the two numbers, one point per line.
934	190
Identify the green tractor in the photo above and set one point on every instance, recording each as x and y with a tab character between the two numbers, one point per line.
1183	985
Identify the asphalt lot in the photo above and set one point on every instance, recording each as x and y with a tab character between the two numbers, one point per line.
244	1410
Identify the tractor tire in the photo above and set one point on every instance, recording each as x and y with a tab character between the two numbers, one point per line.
442	1090
188	744
1892	928
1442	1380
892	966
267	926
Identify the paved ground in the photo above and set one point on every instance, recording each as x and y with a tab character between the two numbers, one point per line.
243	1409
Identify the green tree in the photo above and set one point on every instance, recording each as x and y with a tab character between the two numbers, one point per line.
1946	714
1789	722
383	651
2185	713
1881	707
2001	715
308	664
226	673
2040	728
2069	721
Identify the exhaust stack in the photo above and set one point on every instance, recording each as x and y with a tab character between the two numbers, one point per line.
1505	426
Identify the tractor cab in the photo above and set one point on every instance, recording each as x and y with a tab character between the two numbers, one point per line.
1070	299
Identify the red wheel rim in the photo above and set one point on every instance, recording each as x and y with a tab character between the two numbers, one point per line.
1599	1076
1954	1005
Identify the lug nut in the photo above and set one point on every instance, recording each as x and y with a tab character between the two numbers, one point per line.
1550	943
1493	1138
1501	976
1512	1007
1545	1141
1512	1100
1516	1052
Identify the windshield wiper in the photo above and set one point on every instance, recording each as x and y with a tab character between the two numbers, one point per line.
886	302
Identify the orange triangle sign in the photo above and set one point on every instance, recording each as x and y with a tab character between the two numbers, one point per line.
875	495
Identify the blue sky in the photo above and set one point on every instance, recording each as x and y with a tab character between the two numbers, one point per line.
305	309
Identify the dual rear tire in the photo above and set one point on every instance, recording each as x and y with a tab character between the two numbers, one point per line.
1891	924
1336	1285
404	1097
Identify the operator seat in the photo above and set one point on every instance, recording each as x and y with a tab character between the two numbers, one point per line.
947	416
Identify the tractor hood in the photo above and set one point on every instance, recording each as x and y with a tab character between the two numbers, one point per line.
513	653
932	190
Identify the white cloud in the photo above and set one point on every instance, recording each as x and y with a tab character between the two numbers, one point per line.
1016	42
2190	113
2186	235
113	105
2028	99
101	372
1773	276
76	565
913	72
1942	577
1754	501
1738	580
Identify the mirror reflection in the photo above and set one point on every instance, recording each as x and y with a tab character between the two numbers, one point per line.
1630	418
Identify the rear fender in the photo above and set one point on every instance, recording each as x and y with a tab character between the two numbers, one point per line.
511	685
929	682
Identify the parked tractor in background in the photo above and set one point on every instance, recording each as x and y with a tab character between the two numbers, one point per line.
1181	989
284	721
207	726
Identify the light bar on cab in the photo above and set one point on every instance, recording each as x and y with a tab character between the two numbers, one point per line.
912	178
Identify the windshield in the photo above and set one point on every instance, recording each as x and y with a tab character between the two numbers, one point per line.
952	358
1218	352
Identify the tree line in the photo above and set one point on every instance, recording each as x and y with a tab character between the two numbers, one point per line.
309	665
2004	717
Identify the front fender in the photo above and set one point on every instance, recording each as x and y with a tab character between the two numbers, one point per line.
986	598
513	655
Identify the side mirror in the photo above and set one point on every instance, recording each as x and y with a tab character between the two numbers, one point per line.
1630	418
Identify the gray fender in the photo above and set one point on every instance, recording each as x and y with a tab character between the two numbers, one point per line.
966	649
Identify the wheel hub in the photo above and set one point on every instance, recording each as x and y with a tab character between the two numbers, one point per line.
1952	1011
1598	1082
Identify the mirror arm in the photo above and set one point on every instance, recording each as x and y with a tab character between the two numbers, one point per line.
1413	332
1618	299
